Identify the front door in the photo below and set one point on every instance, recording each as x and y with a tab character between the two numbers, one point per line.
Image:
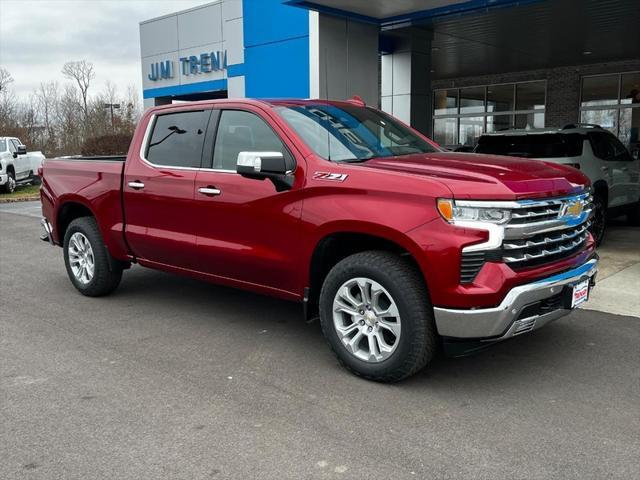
248	231
159	189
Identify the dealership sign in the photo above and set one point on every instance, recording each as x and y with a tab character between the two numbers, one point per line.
192	65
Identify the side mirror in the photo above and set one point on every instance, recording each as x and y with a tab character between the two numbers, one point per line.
21	150
261	165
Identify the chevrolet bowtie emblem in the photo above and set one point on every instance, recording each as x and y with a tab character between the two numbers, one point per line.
571	209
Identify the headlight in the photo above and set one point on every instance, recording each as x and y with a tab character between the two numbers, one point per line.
453	213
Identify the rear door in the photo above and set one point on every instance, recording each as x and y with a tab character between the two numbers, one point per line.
248	232
158	188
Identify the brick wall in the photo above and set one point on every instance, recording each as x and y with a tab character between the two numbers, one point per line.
563	86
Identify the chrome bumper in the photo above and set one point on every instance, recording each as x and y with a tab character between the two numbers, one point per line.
48	231
505	320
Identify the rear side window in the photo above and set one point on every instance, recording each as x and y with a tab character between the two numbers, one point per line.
546	145
177	139
240	131
3	145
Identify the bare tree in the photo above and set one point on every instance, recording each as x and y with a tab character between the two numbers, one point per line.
5	78
82	72
8	102
48	99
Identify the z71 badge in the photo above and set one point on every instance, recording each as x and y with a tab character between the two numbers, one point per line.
333	177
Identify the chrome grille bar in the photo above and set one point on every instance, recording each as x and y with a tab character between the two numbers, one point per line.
547	252
546	240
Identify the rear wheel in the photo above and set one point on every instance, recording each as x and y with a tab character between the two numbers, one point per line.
599	220
10	186
376	315
89	266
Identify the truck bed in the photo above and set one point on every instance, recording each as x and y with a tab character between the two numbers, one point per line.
94	182
97	158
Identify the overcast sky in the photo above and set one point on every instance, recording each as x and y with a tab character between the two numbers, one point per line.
38	36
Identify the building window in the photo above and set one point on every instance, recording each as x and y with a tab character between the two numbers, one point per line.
461	115
613	102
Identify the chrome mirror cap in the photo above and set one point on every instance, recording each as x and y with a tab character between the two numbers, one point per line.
253	160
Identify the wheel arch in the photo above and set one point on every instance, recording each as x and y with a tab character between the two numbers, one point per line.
68	210
335	244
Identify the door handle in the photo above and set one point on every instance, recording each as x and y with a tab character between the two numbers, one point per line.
136	185
604	169
624	169
209	191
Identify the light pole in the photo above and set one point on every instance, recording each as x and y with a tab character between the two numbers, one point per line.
111	106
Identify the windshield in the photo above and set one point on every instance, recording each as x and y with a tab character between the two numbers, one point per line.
352	134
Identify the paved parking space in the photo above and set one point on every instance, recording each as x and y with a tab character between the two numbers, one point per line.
172	378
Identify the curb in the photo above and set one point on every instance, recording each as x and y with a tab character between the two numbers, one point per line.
20	199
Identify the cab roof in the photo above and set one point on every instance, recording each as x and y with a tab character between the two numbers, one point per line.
278	102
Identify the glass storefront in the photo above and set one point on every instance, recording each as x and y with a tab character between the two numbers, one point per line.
613	102
461	115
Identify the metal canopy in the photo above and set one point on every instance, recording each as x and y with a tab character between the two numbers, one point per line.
536	36
479	37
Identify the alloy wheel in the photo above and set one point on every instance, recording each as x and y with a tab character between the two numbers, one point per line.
11	184
366	319
81	258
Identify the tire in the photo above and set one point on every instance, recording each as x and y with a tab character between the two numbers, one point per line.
633	217
400	280
599	220
36	180
106	273
10	186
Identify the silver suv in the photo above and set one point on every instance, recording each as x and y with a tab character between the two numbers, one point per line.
613	171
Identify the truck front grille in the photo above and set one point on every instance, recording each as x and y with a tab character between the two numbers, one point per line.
539	232
545	231
544	247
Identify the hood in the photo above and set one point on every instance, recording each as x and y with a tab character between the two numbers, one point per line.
479	176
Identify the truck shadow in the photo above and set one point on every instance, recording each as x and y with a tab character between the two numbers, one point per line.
563	348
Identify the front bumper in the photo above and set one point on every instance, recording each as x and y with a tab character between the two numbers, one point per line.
525	308
3	178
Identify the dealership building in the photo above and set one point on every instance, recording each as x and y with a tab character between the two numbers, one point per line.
452	69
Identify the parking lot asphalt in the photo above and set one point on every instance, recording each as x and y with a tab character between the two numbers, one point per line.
172	378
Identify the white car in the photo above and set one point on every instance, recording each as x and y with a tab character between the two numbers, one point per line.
613	171
17	166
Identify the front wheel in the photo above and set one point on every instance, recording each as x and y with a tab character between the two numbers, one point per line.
10	186
89	266
599	220
376	315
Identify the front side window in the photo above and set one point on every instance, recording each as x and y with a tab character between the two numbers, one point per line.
240	131
12	147
178	138
349	133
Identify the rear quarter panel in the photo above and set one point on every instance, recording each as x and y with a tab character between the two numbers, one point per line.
94	184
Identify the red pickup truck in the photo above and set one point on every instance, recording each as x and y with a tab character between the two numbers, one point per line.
395	243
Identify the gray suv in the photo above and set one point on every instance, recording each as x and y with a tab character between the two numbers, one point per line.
613	171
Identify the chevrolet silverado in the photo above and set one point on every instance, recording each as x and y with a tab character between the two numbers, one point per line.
397	245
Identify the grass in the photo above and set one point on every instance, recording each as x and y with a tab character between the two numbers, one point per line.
21	193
